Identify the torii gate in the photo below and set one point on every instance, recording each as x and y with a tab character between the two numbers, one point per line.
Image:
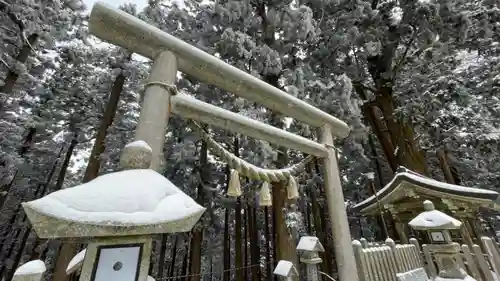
171	54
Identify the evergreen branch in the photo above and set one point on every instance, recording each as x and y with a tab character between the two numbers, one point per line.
17	21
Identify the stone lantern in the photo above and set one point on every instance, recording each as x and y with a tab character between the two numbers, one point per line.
285	270
309	247
117	214
437	225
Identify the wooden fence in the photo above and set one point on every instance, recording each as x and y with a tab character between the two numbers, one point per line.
381	261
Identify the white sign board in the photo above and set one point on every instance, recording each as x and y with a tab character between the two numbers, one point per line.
117	263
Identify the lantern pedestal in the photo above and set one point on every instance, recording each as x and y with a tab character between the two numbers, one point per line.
123	258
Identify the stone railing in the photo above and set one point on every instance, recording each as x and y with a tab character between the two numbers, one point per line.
382	262
378	261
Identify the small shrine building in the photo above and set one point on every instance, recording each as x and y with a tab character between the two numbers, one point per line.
403	199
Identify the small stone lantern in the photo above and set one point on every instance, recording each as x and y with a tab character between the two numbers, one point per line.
309	247
285	270
117	214
437	225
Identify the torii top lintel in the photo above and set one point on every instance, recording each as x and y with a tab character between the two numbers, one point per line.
122	29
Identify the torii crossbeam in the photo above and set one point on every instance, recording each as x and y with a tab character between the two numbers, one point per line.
171	54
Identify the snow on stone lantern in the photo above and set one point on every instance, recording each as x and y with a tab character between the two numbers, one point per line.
117	214
30	271
285	270
309	247
437	225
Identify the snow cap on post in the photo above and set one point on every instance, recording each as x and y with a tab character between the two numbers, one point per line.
76	262
30	271
136	155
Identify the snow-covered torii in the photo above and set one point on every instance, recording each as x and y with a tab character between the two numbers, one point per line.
171	54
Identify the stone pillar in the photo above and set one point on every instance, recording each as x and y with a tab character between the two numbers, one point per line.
344	253
312	266
155	108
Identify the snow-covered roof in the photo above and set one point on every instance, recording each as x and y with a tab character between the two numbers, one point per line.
425	184
130	202
433	219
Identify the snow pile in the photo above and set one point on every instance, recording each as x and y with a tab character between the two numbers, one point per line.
31	268
433	219
126	198
76	262
141	144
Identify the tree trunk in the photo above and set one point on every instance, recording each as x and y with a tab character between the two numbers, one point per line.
254	243
320	231
443	162
185	263
268	239
394	134
161	259
227	237
68	250
284	245
24	249
174	255
197	239
94	164
11	78
245	245
238	227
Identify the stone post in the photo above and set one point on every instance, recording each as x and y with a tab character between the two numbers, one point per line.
155	109
344	254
